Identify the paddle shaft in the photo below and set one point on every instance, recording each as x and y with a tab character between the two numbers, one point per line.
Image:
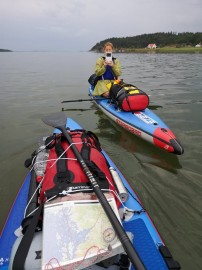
80	100
123	237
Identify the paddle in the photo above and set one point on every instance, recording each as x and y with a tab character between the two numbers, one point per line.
58	120
80	100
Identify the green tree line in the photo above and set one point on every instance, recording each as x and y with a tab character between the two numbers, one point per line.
161	39
5	50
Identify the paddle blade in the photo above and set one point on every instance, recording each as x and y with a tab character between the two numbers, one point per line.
56	120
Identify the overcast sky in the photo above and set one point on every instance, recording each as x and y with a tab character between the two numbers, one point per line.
73	25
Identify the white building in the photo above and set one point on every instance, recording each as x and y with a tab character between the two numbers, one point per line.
198	45
151	46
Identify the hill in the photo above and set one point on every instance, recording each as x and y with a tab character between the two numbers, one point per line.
5	50
161	39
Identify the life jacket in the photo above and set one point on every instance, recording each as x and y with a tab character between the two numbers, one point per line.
108	75
67	173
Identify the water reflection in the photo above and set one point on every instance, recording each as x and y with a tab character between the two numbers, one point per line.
75	110
144	152
154	107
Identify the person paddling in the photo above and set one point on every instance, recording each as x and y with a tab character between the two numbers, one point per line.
108	69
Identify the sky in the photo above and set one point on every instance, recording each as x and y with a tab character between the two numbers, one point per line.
77	25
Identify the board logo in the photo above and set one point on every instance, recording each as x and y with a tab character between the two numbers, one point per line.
128	127
145	118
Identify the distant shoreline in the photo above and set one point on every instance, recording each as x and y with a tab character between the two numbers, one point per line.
163	50
137	50
5	50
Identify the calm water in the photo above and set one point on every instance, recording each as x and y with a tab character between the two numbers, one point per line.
170	187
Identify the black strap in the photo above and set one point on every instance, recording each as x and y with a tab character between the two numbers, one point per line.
24	246
61	164
95	170
63	175
95	139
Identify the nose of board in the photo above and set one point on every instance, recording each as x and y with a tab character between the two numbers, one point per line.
165	139
178	149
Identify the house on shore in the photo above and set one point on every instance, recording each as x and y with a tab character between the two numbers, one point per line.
198	45
151	46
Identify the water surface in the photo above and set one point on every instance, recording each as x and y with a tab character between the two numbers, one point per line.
170	187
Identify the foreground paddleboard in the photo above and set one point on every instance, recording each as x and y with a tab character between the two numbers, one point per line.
144	124
134	218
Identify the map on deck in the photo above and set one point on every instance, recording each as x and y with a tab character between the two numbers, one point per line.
77	234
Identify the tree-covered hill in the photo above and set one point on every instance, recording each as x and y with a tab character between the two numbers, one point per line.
161	39
5	50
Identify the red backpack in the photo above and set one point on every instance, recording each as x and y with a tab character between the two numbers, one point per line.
66	173
128	97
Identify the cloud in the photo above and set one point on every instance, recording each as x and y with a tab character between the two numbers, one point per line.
79	24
